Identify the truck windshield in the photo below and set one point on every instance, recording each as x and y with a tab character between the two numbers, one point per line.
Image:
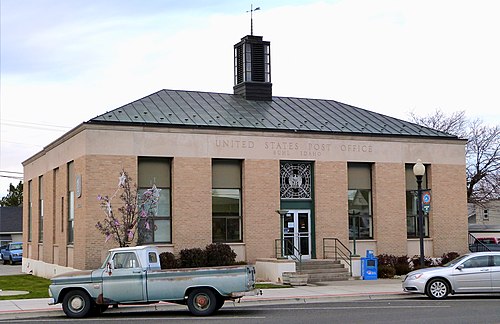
105	261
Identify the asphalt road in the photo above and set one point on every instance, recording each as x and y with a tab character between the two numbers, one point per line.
8	269
469	309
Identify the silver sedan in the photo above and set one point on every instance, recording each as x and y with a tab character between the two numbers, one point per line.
470	273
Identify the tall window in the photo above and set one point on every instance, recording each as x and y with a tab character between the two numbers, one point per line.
359	195
226	201
30	211
156	171
411	203
71	202
40	209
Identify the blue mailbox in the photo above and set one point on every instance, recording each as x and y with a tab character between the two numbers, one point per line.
369	266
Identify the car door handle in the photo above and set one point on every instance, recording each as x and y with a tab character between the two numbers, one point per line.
484	270
136	271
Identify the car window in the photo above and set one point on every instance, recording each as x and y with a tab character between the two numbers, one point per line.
125	260
496	260
476	262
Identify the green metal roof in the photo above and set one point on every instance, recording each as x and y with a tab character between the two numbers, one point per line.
195	109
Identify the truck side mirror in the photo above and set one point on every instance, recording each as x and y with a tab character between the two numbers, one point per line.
110	266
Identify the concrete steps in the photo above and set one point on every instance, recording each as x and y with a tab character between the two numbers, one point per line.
323	270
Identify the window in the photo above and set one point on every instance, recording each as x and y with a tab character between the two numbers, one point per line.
71	201
125	260
477	262
40	209
411	203
156	171
226	201
30	211
359	195
296	180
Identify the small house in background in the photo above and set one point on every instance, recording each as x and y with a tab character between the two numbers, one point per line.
11	224
484	219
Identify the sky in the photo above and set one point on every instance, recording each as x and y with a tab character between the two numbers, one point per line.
64	62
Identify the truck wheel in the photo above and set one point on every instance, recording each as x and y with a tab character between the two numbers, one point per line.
4	261
220	303
202	302
77	304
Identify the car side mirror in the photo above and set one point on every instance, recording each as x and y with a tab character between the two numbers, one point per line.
460	267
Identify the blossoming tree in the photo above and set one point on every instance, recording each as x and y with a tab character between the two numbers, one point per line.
134	214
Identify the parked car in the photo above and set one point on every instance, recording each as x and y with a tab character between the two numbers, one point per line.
2	248
13	253
470	273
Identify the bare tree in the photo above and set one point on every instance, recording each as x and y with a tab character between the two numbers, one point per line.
482	151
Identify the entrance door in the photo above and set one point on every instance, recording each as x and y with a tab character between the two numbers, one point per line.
297	233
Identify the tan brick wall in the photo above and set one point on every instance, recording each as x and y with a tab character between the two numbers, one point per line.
330	203
261	199
389	208
191	202
448	217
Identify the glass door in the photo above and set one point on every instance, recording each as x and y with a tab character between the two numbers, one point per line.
297	233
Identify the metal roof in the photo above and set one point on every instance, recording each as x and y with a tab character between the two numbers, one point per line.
195	109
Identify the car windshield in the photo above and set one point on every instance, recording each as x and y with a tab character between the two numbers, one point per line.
455	261
16	246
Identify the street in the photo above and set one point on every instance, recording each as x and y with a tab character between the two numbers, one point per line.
415	309
7	269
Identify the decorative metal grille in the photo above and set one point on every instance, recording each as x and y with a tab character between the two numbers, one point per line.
295	180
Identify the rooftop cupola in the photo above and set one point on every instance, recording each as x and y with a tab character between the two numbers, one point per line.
252	69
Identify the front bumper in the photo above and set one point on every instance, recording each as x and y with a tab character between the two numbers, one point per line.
415	286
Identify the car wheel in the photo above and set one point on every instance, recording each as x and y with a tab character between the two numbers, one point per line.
202	302
11	262
4	261
77	304
437	289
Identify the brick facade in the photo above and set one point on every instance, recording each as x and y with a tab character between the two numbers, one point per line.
99	156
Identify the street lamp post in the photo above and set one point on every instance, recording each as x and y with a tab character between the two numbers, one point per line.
419	171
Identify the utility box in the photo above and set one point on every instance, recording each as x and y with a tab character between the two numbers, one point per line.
369	266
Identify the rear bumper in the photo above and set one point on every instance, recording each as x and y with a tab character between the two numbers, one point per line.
240	294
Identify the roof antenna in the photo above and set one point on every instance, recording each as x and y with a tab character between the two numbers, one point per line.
251	17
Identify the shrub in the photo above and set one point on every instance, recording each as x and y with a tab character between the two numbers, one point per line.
416	262
402	265
219	254
386	259
192	258
386	271
447	257
168	260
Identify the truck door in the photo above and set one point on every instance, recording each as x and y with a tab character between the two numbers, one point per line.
126	282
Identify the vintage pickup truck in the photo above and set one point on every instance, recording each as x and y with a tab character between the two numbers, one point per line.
133	275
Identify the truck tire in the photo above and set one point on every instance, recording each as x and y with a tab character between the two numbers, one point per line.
202	302
4	261
220	302
77	304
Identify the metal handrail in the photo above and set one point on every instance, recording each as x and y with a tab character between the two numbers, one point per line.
333	247
477	246
280	246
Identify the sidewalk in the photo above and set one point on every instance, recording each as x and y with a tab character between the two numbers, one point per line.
351	289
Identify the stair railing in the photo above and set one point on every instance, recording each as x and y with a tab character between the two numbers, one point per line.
333	248
477	246
286	249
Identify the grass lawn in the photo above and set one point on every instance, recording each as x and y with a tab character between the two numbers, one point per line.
269	286
37	287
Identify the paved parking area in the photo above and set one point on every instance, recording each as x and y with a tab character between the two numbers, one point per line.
7	269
